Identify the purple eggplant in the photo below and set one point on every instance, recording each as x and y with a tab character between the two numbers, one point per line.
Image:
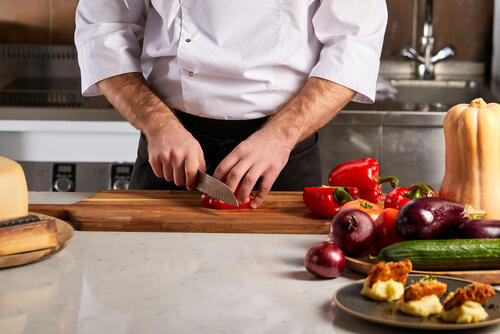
428	217
479	229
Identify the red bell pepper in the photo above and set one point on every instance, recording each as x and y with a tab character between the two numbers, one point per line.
327	201
364	175
385	229
402	195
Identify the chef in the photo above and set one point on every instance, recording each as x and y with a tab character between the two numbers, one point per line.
236	88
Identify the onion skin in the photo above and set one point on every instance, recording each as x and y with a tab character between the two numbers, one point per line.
479	229
353	231
325	260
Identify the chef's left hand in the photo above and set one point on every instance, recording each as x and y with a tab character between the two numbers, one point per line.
265	153
262	155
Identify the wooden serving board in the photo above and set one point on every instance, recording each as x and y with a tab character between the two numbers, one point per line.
181	211
487	276
65	234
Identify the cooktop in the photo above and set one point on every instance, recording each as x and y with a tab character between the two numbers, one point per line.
48	92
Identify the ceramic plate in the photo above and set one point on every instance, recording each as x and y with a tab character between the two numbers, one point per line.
349	299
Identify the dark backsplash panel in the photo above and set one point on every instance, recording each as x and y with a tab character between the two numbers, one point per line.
465	24
399	28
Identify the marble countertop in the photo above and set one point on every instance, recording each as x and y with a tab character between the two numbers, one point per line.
124	282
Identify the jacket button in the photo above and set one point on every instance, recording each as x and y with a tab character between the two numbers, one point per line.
191	73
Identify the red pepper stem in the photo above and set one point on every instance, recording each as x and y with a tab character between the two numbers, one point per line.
341	195
420	190
392	179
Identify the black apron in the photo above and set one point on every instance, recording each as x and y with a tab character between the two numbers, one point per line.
217	139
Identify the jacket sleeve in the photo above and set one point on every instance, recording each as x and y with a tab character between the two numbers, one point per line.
352	34
107	39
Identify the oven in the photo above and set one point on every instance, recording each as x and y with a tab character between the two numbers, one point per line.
76	176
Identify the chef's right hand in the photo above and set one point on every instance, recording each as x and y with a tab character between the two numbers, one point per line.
174	154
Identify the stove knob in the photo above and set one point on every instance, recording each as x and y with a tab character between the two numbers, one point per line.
63	184
121	184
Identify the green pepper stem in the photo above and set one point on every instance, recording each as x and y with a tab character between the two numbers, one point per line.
341	195
417	189
365	204
392	179
472	213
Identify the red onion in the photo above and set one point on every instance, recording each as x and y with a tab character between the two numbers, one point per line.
353	231
325	260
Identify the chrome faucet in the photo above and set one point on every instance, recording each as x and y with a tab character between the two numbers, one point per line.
426	59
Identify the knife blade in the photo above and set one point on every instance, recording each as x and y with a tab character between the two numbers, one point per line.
215	188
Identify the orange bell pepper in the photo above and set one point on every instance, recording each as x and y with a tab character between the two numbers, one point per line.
372	209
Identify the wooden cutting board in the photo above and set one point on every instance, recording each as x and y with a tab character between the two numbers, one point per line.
181	211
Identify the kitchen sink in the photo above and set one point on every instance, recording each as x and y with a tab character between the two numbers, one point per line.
426	95
437	95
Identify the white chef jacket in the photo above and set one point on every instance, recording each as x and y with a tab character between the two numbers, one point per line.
231	59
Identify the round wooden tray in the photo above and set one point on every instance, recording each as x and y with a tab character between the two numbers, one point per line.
65	234
363	265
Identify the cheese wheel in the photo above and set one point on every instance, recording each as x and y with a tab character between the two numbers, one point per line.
13	190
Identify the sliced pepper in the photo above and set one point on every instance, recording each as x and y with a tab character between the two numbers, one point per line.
326	201
364	175
213	203
402	195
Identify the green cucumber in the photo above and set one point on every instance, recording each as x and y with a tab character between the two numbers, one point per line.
446	254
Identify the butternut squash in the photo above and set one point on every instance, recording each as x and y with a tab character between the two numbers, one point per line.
472	158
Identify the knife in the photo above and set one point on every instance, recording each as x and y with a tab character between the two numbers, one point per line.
215	188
